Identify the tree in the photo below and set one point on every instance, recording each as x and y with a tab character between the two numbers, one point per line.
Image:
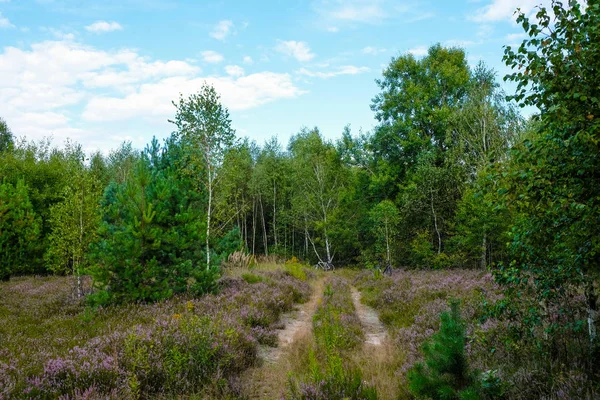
205	128
74	220
6	137
555	245
319	179
486	126
19	229
446	374
415	108
385	218
150	236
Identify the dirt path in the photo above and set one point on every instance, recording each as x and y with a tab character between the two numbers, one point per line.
374	330
269	380
296	324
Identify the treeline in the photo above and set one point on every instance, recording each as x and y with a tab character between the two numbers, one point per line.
401	195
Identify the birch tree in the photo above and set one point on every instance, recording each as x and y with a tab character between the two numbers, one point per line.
74	220
205	128
319	182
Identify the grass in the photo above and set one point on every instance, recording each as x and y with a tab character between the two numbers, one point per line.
324	371
53	345
409	304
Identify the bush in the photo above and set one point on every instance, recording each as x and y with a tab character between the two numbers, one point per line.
446	374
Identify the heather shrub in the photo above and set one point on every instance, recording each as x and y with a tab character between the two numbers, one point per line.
191	346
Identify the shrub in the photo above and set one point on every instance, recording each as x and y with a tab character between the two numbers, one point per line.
295	268
252	278
445	374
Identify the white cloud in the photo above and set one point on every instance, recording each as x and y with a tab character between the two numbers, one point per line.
248	60
68	89
418	51
5	23
333	29
153	100
104	26
373	50
234	70
358	11
212	57
503	10
344	70
299	50
59	34
222	30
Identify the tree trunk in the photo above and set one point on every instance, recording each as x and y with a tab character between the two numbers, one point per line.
274	211
329	260
484	252
387	244
592	310
208	215
254	226
264	224
435	224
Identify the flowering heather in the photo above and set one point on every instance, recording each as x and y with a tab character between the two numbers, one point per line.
179	346
410	303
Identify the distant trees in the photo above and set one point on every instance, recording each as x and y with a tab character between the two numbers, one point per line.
74	221
19	229
320	180
6	137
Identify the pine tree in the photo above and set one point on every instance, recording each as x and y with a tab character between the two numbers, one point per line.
150	235
445	374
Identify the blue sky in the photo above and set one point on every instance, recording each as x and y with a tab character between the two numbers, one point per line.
100	72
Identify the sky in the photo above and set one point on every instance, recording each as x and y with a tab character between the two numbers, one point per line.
102	72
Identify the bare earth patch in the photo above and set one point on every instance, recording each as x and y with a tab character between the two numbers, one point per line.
374	330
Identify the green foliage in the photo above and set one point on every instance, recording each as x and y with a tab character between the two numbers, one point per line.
149	237
7	141
252	278
445	374
19	229
204	127
74	220
553	185
43	170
